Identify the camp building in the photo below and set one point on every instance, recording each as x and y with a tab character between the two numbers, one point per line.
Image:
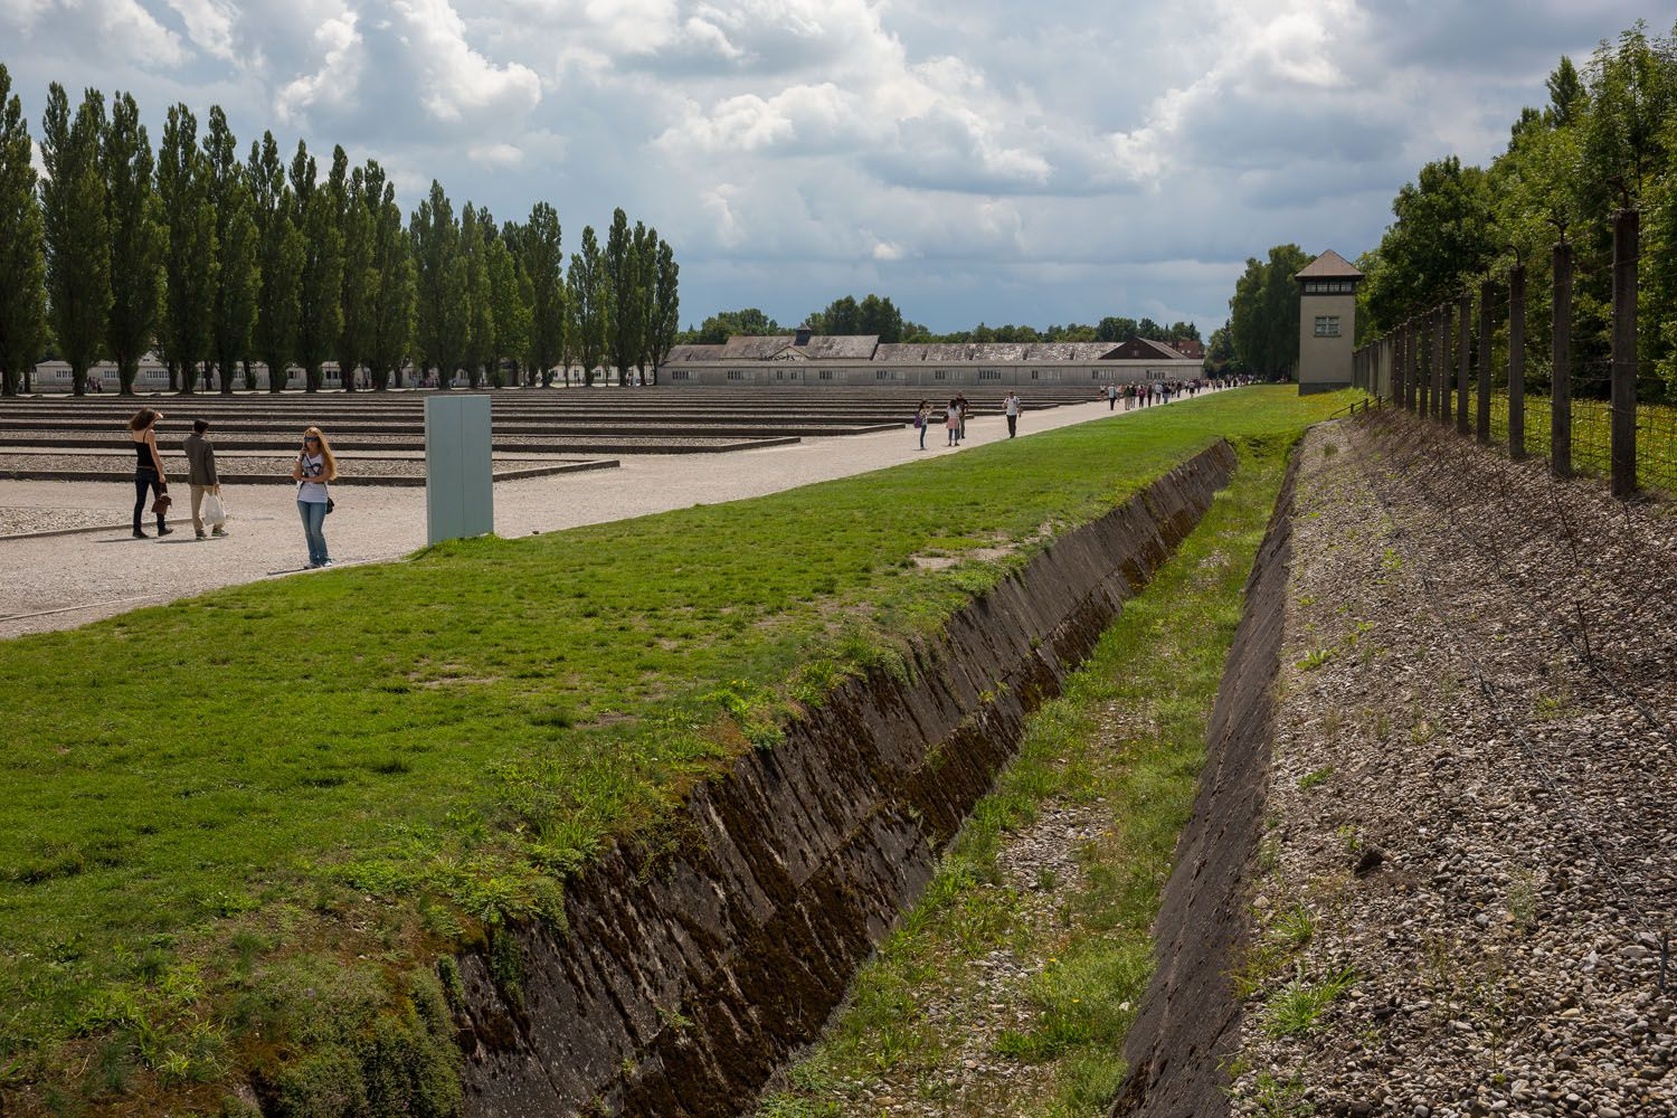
805	358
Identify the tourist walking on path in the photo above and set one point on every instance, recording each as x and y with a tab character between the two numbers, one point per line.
314	467
1111	397
961	431
1010	408
149	476
201	475
952	421
922	420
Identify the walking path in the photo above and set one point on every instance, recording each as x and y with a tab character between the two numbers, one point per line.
59	582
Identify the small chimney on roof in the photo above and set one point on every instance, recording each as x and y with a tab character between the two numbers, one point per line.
803	335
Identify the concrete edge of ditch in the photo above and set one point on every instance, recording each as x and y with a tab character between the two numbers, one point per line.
686	975
1187	1027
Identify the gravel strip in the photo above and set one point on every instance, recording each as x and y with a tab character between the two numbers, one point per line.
1472	804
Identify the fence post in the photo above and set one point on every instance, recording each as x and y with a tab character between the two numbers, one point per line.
1440	363
1517	362
1482	407
1627	231
1405	377
1560	358
1464	343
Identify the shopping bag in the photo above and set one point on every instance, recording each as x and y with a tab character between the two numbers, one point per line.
215	513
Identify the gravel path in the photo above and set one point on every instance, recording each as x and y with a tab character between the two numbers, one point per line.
1472	806
62	581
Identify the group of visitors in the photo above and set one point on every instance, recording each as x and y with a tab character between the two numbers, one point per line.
313	468
955	417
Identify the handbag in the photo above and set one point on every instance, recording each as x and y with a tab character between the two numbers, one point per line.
161	505
215	513
330	505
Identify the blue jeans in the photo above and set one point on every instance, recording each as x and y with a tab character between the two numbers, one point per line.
314	529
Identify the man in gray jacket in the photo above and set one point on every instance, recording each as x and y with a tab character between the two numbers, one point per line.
201	475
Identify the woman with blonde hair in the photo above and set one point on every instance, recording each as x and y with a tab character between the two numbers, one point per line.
149	476
314	467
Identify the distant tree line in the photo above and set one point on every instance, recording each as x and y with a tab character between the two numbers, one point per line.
876	315
215	262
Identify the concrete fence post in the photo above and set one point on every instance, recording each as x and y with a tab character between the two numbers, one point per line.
1517	362
1440	357
1482	407
1627	232
1464	346
1560	358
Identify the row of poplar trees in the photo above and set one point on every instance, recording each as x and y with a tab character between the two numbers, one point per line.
215	262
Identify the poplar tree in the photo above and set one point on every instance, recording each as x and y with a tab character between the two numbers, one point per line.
233	314
542	262
391	283
279	260
625	325
136	236
23	265
510	295
190	264
77	233
480	342
320	292
586	303
666	307
441	314
345	188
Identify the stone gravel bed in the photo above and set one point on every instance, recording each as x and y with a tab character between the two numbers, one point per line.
1471	814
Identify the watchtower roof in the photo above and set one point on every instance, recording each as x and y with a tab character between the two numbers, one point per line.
1329	265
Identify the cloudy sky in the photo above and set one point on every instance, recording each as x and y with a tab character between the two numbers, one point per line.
976	160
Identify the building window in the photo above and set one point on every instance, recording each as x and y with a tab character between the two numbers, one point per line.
735	374
882	374
679	374
1033	374
938	375
1327	326
826	374
989	374
1330	287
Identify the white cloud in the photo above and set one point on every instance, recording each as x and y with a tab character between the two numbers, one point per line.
972	161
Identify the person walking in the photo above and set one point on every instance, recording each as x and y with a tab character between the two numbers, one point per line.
922	420
149	476
961	431
1010	408
1111	397
200	475
314	467
952	420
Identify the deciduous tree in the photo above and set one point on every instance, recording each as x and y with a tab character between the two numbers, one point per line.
23	264
136	234
73	206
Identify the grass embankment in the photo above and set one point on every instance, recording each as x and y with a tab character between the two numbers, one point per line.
1122	749
239	831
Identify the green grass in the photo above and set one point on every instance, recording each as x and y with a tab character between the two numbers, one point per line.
240	830
1158	666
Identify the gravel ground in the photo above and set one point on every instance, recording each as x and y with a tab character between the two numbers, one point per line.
1472	806
248	468
62	581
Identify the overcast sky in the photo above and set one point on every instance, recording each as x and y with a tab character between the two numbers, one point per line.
1031	163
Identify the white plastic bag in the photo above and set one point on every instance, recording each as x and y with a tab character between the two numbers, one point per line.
215	513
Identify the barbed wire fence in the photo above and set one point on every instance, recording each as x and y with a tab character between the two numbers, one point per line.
1599	416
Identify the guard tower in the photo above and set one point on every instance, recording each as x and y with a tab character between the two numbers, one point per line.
1327	322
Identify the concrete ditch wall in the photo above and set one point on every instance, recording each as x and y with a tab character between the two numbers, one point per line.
1188	1025
686	977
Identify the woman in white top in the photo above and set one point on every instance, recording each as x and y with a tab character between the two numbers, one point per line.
314	467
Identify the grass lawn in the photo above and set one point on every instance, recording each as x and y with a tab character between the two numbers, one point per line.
240	830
